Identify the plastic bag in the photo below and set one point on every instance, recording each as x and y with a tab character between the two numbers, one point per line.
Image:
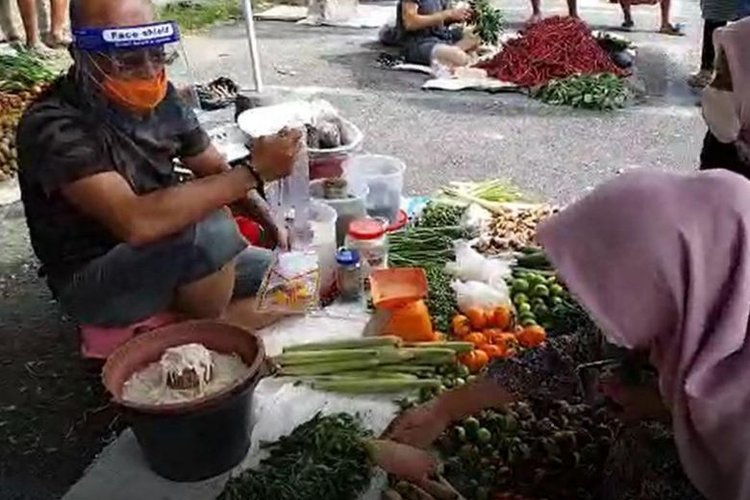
292	284
476	294
470	265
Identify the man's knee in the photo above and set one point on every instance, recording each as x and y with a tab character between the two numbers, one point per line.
208	297
449	55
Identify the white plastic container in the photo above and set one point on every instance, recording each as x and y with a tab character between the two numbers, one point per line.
347	209
323	224
384	177
368	237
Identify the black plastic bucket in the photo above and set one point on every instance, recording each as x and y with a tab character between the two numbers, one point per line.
198	445
193	440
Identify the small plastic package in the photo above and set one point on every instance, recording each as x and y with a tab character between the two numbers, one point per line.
470	265
292	284
477	294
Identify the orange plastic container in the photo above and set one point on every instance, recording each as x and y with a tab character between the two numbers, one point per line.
396	288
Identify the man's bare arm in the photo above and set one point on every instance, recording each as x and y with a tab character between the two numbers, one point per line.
414	21
209	162
140	220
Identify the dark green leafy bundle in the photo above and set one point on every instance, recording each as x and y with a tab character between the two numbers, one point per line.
441	300
424	246
441	214
604	91
22	71
487	21
324	458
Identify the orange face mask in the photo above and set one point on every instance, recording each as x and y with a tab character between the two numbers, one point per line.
140	96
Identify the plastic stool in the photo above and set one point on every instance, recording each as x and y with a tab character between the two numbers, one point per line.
99	342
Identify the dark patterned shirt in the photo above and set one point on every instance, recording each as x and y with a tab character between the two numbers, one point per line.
63	138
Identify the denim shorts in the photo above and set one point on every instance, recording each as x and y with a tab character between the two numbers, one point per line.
129	284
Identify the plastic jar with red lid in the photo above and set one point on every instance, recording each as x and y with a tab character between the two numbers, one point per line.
368	237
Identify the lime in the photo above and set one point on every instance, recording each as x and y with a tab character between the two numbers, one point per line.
541	291
484	436
556	290
460	434
524	308
538	301
527	317
520	286
520	298
541	310
557	301
528	322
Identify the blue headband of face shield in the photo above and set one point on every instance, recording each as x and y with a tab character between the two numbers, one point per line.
126	37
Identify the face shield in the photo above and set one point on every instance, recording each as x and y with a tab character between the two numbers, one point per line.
129	65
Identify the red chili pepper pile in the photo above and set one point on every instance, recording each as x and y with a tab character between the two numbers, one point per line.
557	47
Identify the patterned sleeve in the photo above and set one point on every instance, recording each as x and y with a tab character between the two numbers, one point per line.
55	146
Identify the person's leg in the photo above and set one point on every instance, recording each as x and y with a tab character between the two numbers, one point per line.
667	28
708	56
451	56
192	271
573	8
59	11
536	12
27	9
627	14
8	31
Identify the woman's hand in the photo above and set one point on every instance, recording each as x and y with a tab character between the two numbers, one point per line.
421	425
402	461
642	402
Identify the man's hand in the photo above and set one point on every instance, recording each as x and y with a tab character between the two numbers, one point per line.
403	461
638	403
273	156
458	15
277	236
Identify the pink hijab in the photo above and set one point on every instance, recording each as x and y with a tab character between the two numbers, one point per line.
734	41
662	261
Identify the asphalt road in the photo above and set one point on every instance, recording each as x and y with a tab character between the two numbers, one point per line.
51	419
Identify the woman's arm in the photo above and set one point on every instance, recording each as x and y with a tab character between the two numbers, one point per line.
422	425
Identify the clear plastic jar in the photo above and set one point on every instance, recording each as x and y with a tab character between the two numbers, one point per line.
349	275
368	237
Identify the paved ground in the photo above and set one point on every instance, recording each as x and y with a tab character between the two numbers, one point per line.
52	414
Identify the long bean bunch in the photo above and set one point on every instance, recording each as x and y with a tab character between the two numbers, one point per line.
423	246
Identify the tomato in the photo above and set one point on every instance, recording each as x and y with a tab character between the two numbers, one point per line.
477	317
532	336
493	351
475	360
476	338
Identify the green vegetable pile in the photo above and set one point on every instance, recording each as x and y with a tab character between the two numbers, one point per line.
604	91
22	72
543	449
437	214
490	195
424	246
441	299
540	298
487	21
324	458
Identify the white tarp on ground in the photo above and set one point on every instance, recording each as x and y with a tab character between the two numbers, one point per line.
120	472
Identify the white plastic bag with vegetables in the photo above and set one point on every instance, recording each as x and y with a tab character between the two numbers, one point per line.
470	265
477	294
292	284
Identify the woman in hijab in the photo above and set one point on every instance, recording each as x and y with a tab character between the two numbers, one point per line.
661	261
726	102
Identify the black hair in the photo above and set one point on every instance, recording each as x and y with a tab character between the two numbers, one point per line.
76	13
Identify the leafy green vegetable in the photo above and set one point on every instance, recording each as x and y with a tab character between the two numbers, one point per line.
441	301
487	21
22	71
604	91
324	458
437	214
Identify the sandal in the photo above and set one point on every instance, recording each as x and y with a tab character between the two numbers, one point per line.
700	79
54	42
627	26
672	30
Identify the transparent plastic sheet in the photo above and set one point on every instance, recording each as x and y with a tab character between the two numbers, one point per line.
291	285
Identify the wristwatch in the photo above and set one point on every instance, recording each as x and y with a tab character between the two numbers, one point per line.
259	184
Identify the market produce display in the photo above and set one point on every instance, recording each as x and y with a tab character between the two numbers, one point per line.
324	458
512	229
22	79
441	300
540	449
437	214
552	49
370	365
487	21
604	91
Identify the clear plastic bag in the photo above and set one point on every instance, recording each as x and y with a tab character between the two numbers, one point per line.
477	294
470	265
292	284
